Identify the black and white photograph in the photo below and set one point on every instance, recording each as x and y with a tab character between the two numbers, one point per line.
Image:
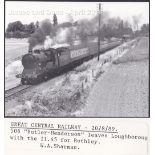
77	59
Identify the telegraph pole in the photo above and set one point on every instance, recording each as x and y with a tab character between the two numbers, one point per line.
99	24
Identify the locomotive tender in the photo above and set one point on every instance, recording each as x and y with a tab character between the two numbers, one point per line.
41	64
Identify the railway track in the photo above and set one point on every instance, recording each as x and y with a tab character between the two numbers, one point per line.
20	89
13	92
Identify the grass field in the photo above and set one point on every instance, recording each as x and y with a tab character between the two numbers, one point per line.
140	53
14	49
123	91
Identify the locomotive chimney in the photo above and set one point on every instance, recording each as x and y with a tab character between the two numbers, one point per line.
30	50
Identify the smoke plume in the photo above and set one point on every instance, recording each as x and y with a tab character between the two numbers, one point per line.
48	35
39	36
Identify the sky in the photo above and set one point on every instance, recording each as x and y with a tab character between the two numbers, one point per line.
28	12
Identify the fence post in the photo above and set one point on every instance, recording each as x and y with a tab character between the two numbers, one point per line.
82	86
92	73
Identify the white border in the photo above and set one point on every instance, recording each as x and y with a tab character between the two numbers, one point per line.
2	79
152	78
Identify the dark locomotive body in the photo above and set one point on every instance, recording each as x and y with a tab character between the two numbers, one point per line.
39	65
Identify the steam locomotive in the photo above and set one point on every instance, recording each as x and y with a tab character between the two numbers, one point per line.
39	65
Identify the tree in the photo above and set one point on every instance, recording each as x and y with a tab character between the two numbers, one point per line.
31	28
37	25
127	24
55	20
115	27
145	28
136	20
15	26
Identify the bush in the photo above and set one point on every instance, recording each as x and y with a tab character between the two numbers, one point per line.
19	30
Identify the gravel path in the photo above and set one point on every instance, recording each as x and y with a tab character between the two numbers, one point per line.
123	91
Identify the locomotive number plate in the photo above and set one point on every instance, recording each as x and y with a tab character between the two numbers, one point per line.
79	52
